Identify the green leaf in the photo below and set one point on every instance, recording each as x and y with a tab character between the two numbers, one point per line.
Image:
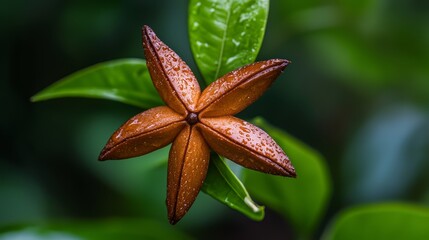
302	200
381	221
224	186
93	230
225	34
124	80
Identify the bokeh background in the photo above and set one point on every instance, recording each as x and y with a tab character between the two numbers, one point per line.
357	91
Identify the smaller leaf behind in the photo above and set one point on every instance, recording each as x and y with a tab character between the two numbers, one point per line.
224	186
380	221
302	200
124	80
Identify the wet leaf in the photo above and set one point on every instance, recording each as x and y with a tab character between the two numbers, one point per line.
124	80
224	186
225	35
302	200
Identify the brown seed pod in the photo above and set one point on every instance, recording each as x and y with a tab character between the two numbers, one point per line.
195	122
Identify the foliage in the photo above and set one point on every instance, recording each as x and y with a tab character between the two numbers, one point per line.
225	35
125	80
380	221
302	200
356	91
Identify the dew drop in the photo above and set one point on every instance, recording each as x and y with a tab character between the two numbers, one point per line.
235	42
195	26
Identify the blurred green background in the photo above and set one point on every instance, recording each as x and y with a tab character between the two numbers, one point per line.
357	91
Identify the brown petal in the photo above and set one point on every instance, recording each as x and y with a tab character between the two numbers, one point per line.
171	76
238	89
246	145
187	169
143	133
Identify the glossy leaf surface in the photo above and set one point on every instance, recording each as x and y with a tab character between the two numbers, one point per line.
381	221
302	200
224	186
123	80
226	34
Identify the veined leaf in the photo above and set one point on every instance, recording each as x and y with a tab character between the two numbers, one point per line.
225	34
224	186
302	200
124	80
381	221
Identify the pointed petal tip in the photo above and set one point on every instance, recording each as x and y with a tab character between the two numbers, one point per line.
287	171
293	174
106	154
174	218
103	156
173	221
146	29
279	63
280	60
291	171
283	63
147	33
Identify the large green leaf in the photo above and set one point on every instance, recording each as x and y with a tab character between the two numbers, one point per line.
94	230
225	34
381	221
123	80
224	186
302	200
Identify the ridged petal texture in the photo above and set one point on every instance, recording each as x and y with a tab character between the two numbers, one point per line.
238	89
196	122
246	144
144	133
187	169
174	80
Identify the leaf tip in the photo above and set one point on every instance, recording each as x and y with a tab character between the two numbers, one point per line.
34	98
37	97
249	202
259	121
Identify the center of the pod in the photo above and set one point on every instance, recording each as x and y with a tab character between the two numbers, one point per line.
192	118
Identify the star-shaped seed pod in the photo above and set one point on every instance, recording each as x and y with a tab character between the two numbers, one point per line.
196	122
